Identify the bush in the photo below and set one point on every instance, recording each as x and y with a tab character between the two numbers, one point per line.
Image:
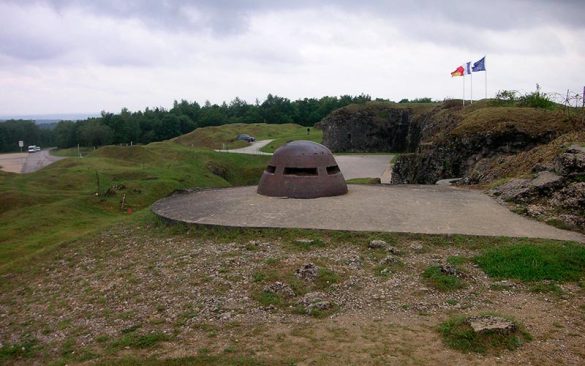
536	100
506	97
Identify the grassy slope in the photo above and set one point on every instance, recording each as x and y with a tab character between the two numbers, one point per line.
215	137
531	121
299	133
59	203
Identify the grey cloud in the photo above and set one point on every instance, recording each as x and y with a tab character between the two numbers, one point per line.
231	16
451	23
29	48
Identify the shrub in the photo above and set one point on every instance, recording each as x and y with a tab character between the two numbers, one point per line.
536	100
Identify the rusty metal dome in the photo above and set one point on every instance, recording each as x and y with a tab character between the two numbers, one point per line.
302	169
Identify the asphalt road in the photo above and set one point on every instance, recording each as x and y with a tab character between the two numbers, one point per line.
427	209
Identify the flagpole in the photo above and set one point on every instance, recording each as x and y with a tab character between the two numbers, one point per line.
471	92
485	83
463	90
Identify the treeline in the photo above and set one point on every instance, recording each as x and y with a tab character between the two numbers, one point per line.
13	131
160	124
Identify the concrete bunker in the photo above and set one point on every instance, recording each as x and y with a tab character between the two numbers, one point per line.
302	169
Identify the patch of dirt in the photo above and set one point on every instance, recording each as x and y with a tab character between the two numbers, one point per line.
199	293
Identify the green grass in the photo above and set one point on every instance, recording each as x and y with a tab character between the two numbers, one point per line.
58	203
459	335
441	281
26	349
546	288
199	360
533	262
457	260
363	181
215	137
72	152
278	271
307	244
140	341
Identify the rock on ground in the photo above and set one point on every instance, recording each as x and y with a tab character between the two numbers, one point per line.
491	324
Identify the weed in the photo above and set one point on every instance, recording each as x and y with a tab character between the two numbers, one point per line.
266	298
258	277
441	281
308	244
28	348
501	287
326	278
551	288
457	260
134	340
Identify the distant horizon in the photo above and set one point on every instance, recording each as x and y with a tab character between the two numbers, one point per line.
49	116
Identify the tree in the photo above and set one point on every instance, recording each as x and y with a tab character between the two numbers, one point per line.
65	134
95	133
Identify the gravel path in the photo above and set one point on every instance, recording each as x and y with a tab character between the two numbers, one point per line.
39	160
12	162
27	162
397	208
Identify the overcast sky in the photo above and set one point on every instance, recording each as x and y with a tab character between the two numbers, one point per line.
72	56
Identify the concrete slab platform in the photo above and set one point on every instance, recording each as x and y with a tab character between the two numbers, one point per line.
399	208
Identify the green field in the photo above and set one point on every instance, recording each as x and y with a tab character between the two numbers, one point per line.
63	201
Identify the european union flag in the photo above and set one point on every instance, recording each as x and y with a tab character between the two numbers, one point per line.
479	65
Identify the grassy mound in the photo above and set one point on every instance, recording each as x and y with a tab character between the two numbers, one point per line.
459	335
215	137
530	121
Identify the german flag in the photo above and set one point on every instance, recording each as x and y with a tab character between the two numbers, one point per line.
460	71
